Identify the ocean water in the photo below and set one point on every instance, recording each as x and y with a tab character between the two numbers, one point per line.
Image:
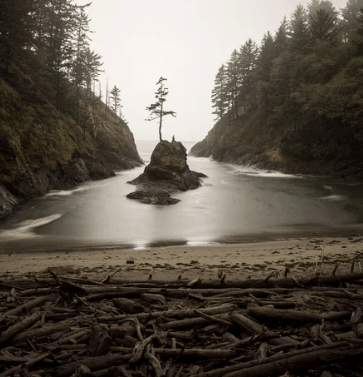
234	204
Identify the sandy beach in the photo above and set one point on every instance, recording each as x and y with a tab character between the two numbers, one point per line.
256	260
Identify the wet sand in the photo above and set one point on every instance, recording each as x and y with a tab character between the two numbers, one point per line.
238	261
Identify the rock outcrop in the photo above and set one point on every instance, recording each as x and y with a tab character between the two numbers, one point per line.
246	141
167	173
43	149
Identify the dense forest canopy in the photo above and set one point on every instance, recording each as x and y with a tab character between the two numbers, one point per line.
50	41
55	131
303	83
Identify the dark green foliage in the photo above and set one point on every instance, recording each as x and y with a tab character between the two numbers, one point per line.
48	110
15	29
219	93
300	92
323	26
299	30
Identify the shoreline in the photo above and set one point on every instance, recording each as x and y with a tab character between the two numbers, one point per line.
304	255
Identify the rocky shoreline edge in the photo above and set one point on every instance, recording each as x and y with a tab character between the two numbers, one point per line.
82	168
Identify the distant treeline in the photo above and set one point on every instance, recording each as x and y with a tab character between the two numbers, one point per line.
49	40
303	83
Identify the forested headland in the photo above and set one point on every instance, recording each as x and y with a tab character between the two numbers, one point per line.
294	102
58	126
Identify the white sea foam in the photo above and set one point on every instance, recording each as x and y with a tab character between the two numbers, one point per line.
252	171
334	198
66	192
26	227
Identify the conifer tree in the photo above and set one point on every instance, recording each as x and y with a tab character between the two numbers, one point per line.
115	98
323	26
59	46
157	109
281	37
351	14
219	93
299	30
15	32
233	82
247	64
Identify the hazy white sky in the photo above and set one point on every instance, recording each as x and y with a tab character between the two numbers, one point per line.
185	41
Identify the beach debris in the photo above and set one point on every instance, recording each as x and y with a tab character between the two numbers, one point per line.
61	326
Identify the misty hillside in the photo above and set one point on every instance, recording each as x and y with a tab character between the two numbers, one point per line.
294	102
55	132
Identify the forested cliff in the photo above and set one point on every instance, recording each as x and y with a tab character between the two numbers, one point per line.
55	132
295	102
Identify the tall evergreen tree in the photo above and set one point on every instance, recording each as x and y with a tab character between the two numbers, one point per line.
60	47
157	109
81	45
115	98
248	59
265	59
219	93
323	26
281	37
92	68
15	32
299	30
233	82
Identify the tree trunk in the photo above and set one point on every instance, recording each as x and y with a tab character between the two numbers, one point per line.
161	121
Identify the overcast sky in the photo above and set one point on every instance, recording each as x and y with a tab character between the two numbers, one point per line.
185	41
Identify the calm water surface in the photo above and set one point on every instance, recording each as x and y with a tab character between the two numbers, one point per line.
235	204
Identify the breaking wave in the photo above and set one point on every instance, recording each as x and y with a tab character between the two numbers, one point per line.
26	227
252	171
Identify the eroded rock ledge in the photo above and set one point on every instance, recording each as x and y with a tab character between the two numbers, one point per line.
167	173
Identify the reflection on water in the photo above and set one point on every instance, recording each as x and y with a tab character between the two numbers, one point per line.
234	202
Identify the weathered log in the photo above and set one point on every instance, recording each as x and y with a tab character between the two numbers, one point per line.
127	328
19	327
100	341
187	353
27	306
155	363
255	328
300	362
128	306
295	315
190	322
42	331
157	299
171	313
93	363
140	348
222	372
213	318
29	364
255	283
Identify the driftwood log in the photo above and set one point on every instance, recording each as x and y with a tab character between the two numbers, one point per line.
61	327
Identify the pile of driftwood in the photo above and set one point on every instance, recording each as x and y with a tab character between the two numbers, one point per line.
61	326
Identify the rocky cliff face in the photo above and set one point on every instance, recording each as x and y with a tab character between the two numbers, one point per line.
42	149
167	172
247	141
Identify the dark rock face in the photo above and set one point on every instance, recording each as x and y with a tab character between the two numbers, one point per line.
43	148
168	172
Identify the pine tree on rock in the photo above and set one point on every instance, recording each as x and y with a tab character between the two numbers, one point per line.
157	109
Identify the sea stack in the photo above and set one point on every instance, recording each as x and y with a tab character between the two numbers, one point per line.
168	172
